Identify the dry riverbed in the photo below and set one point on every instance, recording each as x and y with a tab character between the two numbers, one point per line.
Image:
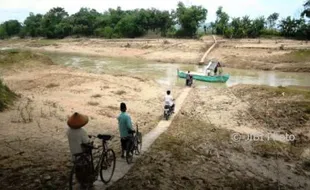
263	54
199	150
34	146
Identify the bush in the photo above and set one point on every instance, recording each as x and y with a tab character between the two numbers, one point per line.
22	34
270	33
171	33
106	32
3	33
6	96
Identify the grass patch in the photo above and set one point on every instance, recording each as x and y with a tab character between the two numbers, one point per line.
113	107
92	103
291	91
15	56
52	85
120	92
6	96
297	56
306	165
42	42
96	96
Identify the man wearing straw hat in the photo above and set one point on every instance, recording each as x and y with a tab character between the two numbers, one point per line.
76	134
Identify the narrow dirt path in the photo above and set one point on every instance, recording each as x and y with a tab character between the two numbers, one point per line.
202	61
122	167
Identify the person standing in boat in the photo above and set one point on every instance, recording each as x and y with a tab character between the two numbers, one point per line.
189	79
215	69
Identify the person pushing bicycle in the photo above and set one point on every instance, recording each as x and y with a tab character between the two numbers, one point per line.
76	134
125	126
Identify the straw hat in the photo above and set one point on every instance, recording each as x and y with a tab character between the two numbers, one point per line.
77	121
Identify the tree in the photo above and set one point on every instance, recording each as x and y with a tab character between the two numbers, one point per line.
3	33
128	27
288	27
306	11
51	20
190	18
257	27
32	25
84	21
272	19
106	32
115	16
12	27
221	22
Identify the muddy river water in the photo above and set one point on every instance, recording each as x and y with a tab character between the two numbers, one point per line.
166	74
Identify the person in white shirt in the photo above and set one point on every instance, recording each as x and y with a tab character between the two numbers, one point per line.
76	134
169	100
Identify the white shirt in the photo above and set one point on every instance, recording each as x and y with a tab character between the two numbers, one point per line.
168	100
76	137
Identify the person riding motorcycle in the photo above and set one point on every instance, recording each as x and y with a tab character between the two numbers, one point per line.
169	100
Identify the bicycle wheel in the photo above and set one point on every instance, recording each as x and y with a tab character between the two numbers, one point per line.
107	166
73	184
167	117
139	143
129	151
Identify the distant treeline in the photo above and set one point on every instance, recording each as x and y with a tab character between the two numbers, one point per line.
118	23
245	27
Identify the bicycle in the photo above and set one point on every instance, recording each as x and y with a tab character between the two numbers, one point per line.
85	172
134	144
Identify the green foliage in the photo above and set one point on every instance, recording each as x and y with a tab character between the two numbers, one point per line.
270	33
295	28
256	28
128	27
272	19
106	32
51	23
245	27
10	28
116	23
3	33
32	25
84	21
190	18
6	96
306	11
221	22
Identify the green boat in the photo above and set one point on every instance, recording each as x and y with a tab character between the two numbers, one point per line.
202	77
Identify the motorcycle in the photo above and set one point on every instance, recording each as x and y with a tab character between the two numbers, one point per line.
189	82
167	111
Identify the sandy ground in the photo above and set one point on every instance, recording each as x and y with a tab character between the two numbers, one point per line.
122	167
200	150
34	146
263	54
197	151
161	50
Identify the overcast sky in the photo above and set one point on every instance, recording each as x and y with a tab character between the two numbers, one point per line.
19	9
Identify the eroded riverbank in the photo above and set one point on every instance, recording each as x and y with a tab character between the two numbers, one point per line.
261	54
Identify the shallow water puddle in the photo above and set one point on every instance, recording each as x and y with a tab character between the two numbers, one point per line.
166	73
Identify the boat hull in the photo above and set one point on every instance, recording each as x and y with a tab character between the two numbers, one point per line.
200	77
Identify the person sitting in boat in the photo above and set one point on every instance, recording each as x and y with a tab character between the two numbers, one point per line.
169	100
